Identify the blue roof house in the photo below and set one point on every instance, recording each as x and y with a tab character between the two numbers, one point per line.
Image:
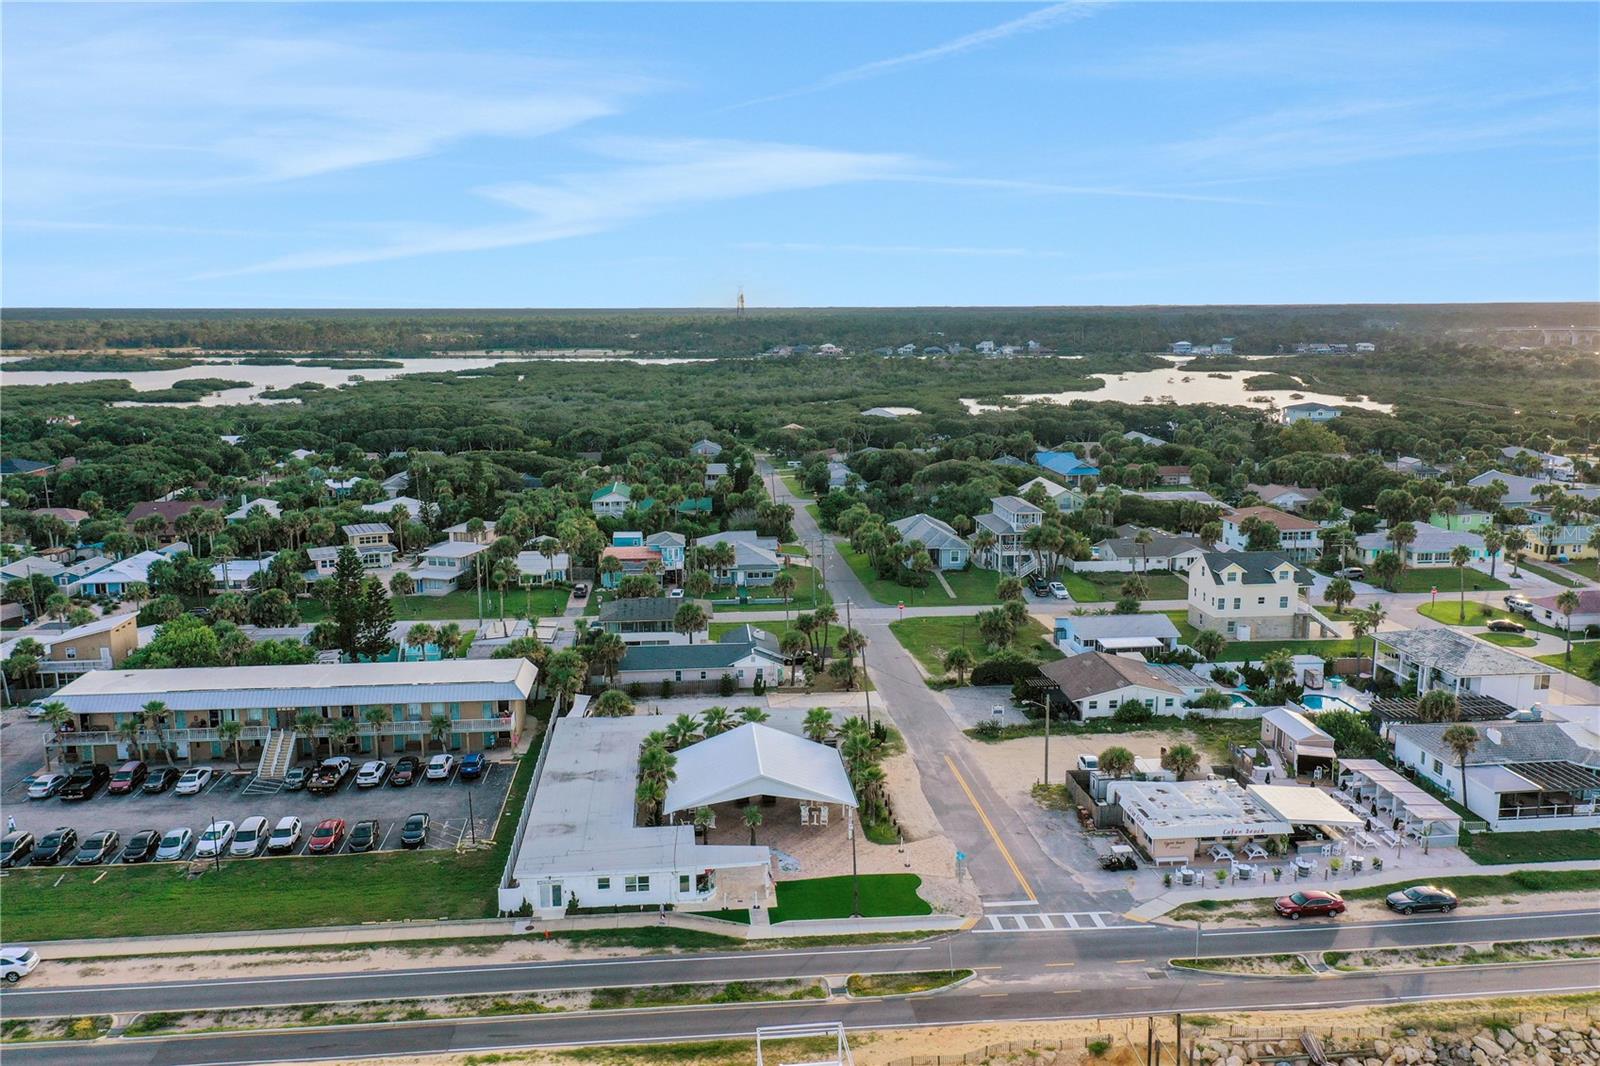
1067	465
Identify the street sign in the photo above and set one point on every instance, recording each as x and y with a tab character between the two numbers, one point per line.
961	856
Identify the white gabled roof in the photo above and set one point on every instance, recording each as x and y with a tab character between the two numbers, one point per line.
757	760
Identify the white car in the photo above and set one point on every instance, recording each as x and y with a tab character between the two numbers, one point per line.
36	709
285	835
215	840
174	844
17	962
193	780
372	773
674	594
1088	762
46	785
440	767
250	839
1058	591
1353	573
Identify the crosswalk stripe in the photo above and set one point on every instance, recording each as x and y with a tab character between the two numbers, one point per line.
1050	922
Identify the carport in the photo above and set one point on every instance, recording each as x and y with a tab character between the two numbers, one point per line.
755	761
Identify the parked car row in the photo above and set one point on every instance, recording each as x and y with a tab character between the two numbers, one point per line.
220	838
1315	902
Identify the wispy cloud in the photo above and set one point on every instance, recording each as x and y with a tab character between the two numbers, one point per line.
1035	21
1024	185
978	251
655	176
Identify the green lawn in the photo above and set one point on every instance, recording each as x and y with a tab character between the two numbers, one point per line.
1444	578
109	901
1241	651
1589	568
795	549
806	579
882	896
1478	614
1508	640
1101	588
1552	845
1554	573
927	639
973	587
1584	656
462	604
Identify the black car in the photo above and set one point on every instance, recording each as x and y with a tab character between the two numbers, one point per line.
15	848
414	833
1422	898
1038	585
97	848
161	779
56	846
141	847
365	835
86	781
405	771
1506	625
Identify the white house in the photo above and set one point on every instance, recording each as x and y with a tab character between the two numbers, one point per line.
611	500
1284	497
1125	554
412	505
1066	500
1558	467
462	532
1139	437
1309	411
1520	776
755	558
1094	684
1300	746
234	575
708	449
1441	658
1116	633
944	545
1587	614
537	568
1009	519
440	567
1432	546
1248	596
1298	538
715	472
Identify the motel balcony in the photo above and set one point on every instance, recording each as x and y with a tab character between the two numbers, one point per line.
256	734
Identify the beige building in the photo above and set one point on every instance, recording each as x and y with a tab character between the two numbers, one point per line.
98	645
1248	596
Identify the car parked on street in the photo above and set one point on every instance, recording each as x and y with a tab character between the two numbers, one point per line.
372	774
472	766
414	833
175	844
55	847
214	840
97	848
296	778
194	779
1058	591
1422	898
1506	625
1352	573
285	835
1309	903
405	771
1519	604
160	779
329	775
46	785
15	847
250	838
326	837
128	778
141	846
85	781
440	766
17	962
365	835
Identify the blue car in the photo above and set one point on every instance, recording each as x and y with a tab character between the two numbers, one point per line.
473	766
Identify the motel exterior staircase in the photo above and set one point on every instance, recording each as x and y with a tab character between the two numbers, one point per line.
277	755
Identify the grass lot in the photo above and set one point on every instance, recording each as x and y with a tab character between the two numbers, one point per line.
1421	579
806	580
461	604
973	587
1103	588
795	549
882	896
261	893
1478	614
1238	651
1508	640
1589	568
927	639
1555	573
900	984
1584	656
1553	845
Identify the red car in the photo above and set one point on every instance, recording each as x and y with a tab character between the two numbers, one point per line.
1309	902
327	836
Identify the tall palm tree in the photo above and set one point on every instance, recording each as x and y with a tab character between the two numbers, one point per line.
1493	541
341	729
229	732
1516	544
752	818
306	724
377	716
438	729
1460	556
1567	602
155	715
1461	739
131	733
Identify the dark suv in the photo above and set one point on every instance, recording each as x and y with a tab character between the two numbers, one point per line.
85	781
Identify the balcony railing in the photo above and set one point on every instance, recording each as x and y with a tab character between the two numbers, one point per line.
1548	810
257	733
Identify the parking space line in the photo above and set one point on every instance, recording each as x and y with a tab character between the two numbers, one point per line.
385	841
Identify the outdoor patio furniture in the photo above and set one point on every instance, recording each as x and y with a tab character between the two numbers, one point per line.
1188	876
1304	864
1357	862
1243	871
1221	853
1255	851
1389	837
1366	841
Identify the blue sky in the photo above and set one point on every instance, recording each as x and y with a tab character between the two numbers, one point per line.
508	155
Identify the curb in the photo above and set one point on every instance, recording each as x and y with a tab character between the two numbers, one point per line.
1172	964
973	976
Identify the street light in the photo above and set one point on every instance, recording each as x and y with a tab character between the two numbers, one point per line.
1044	706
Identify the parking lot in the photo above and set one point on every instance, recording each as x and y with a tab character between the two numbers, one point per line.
457	808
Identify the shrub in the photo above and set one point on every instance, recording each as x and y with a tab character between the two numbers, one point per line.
1132	713
1004	668
759	688
1097	1048
726	685
666	688
988	729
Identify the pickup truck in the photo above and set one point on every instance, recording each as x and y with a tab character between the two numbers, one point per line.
329	775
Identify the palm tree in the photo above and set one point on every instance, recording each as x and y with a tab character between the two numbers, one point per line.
1461	739
448	637
341	729
753	715
130	732
1460	556
753	818
1339	593
703	818
1493	541
1116	761
1144	538
684	730
1401	536
229	733
377	716
651	794
1438	705
1008	588
605	654
419	636
438	729
306	724
1208	643
690	619
613	703
1566	603
58	717
502	575
1182	760
958	660
818	724
715	720
1516	544
983	541
401	585
783	585
155	715
1375	616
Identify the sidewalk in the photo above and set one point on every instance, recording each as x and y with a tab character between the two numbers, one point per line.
1159	906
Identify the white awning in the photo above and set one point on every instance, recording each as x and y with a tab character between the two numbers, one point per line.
757	760
1303	805
1115	643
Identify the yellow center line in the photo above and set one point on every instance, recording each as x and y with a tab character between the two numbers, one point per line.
994	995
1060	964
1126	961
1067	991
983	967
993	833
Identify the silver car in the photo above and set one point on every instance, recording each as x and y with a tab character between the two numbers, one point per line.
174	844
46	785
250	839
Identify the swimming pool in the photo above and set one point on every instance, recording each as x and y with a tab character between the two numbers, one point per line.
1313	701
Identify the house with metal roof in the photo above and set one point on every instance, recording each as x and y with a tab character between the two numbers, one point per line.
1519	776
1094	684
1299	745
1008	521
462	531
412	505
1431	546
1309	411
755	558
101	644
1251	596
441	566
484	700
270	508
1066	465
233	575
1442	658
744	655
1124	554
707	449
1116	633
945	548
1284	497
112	580
610	501
648	620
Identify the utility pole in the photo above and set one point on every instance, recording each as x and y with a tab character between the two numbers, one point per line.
472	822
